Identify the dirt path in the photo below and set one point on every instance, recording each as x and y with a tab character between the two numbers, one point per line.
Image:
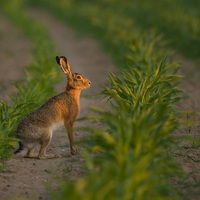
30	178
187	152
15	54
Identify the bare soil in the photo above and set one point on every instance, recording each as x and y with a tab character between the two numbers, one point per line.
15	54
187	151
31	178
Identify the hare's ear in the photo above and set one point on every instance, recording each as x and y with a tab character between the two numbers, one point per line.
62	61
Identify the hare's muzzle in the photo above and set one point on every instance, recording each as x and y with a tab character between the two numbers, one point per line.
88	83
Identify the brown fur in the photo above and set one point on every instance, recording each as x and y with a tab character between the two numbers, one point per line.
36	128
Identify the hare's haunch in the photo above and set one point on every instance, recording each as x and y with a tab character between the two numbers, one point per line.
36	128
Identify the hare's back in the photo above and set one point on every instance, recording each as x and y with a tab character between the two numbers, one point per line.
50	112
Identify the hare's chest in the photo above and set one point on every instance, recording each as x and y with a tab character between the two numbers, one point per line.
71	110
74	112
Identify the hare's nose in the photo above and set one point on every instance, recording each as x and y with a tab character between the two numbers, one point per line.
89	83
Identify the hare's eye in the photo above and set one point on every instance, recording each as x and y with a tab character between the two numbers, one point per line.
78	77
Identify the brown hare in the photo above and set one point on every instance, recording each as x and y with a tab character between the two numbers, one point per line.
36	128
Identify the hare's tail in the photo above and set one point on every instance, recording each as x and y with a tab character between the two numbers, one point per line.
21	147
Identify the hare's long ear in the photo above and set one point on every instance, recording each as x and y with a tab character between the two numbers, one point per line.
64	64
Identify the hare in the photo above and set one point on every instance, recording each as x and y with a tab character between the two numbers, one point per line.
37	127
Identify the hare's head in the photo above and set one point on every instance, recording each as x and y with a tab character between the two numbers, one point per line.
75	80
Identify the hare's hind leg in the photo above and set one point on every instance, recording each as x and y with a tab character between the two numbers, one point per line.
30	153
29	148
45	140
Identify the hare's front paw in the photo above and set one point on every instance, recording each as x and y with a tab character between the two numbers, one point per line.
74	150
